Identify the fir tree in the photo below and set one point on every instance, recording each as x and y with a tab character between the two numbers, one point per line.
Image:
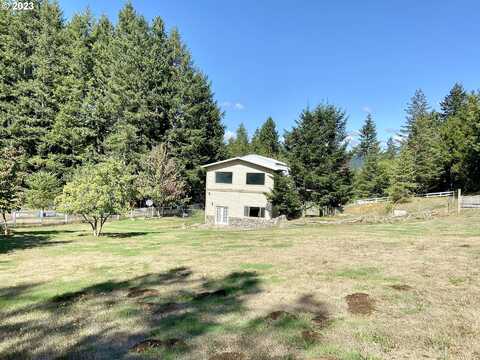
284	197
318	157
392	149
66	143
402	177
417	108
265	140
368	138
239	145
454	101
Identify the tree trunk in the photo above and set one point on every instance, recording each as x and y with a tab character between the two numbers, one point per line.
6	231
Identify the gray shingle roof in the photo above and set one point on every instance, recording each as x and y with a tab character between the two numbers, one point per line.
264	161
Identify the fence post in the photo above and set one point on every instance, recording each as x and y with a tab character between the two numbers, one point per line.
459	201
66	218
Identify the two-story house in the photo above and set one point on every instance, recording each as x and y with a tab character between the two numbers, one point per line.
236	190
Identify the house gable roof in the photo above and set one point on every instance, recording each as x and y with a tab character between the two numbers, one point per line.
259	160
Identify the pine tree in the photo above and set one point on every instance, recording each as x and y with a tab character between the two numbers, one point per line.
195	135
284	197
417	108
239	145
66	143
454	101
402	179
370	180
318	157
265	140
98	111
11	178
368	138
391	150
425	147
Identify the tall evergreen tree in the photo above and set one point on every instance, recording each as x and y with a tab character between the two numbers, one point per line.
239	145
368	138
195	136
99	112
417	108
371	179
318	156
402	182
66	143
453	102
392	149
265	140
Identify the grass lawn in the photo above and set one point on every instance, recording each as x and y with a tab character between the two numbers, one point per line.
384	291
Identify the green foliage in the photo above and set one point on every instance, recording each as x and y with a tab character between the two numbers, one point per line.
402	178
265	140
43	187
98	192
392	149
417	107
318	158
160	180
85	90
239	145
284	197
372	179
11	178
369	143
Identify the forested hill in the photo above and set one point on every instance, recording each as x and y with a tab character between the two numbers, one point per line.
83	90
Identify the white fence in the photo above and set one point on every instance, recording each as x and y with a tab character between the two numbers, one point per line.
386	198
52	217
470	202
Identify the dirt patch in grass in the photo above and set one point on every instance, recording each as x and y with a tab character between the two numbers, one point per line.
360	303
402	287
138	292
310	336
228	356
169	308
280	314
211	294
151	344
321	320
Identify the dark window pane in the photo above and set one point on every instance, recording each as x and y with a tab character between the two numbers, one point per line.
255	179
262	212
254	212
223	177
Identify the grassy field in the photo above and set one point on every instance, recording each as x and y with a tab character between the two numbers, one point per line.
383	291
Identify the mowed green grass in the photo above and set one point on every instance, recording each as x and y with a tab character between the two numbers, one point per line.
266	294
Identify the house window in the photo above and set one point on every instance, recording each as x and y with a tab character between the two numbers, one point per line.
223	177
254	211
255	178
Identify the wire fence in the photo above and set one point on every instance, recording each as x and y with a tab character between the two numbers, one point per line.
27	217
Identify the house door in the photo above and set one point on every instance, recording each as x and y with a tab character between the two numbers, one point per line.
222	215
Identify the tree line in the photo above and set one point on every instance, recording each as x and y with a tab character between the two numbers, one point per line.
85	101
436	150
82	91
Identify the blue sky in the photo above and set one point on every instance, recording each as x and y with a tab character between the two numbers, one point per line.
274	58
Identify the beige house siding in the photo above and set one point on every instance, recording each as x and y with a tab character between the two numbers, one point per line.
238	194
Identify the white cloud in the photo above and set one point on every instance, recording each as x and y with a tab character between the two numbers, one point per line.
367	109
232	105
228	135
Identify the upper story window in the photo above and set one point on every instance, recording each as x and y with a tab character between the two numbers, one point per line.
222	177
255	178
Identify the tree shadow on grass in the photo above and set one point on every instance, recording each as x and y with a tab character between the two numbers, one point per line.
30	239
170	307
